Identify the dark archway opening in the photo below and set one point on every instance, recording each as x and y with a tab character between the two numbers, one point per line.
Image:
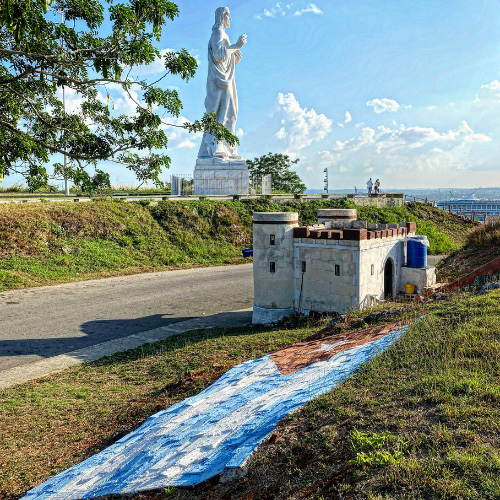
388	278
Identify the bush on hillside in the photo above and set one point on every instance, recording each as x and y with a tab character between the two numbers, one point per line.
485	235
439	242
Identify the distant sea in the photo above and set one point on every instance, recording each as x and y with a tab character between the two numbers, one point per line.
492	193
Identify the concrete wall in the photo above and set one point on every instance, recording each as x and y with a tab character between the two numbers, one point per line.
421	277
318	288
376	253
382	200
213	177
273	291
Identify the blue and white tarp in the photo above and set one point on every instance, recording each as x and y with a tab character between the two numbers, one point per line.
214	431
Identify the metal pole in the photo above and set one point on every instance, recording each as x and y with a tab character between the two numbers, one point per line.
326	179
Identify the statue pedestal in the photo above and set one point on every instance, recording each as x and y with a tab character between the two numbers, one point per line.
220	176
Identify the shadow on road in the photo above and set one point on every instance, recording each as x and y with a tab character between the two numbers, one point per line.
95	332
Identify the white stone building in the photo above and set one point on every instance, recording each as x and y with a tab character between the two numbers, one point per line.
339	264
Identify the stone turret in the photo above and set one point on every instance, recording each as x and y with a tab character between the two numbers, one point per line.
337	218
273	264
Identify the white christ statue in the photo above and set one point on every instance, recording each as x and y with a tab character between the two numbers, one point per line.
222	97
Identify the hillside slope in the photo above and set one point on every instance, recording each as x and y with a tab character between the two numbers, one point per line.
51	243
481	246
422	421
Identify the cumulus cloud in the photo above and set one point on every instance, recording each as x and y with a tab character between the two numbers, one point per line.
289	128
489	93
179	138
300	126
406	149
381	105
310	9
281	9
278	10
348	117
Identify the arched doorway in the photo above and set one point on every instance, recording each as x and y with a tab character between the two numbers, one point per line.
388	278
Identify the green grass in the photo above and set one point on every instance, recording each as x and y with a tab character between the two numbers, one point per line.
54	422
53	243
422	421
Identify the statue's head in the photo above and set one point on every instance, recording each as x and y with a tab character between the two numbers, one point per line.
222	18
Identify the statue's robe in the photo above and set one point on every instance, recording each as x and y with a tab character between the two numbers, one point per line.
222	97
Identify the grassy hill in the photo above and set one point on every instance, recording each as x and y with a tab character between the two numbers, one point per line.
481	245
422	421
51	243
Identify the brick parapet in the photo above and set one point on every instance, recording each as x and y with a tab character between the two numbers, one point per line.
383	231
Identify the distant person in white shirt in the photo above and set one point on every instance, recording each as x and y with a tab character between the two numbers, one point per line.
369	185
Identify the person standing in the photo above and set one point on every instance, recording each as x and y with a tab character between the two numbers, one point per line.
377	186
369	185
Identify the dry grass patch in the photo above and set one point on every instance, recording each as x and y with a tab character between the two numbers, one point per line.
53	423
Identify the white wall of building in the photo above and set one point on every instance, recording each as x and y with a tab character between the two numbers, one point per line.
319	288
376	253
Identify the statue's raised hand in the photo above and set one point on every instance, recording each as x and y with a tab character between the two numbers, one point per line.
241	41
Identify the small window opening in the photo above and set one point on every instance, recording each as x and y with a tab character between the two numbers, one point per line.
373	269
303	266
337	270
272	239
272	267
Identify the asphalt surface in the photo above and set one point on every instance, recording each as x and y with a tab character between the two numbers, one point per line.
39	323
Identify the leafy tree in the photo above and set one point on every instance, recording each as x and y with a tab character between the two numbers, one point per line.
278	166
96	48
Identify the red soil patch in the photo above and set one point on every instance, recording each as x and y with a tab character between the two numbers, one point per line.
297	356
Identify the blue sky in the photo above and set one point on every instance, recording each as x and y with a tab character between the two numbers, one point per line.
406	91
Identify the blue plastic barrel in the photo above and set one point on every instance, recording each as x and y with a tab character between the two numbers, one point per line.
416	253
247	252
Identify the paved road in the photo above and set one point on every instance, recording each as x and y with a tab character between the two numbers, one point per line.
42	322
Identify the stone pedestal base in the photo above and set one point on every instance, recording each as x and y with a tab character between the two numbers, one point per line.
215	176
421	277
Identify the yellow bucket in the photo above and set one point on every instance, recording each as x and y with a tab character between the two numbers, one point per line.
409	288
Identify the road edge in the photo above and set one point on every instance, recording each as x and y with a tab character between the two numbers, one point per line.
31	371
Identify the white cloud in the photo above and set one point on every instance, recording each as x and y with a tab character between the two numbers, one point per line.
348	117
281	9
289	128
489	93
342	169
276	10
381	105
310	9
301	126
179	138
407	149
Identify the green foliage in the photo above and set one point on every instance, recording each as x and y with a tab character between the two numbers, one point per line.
278	166
439	242
52	243
368	449
102	44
